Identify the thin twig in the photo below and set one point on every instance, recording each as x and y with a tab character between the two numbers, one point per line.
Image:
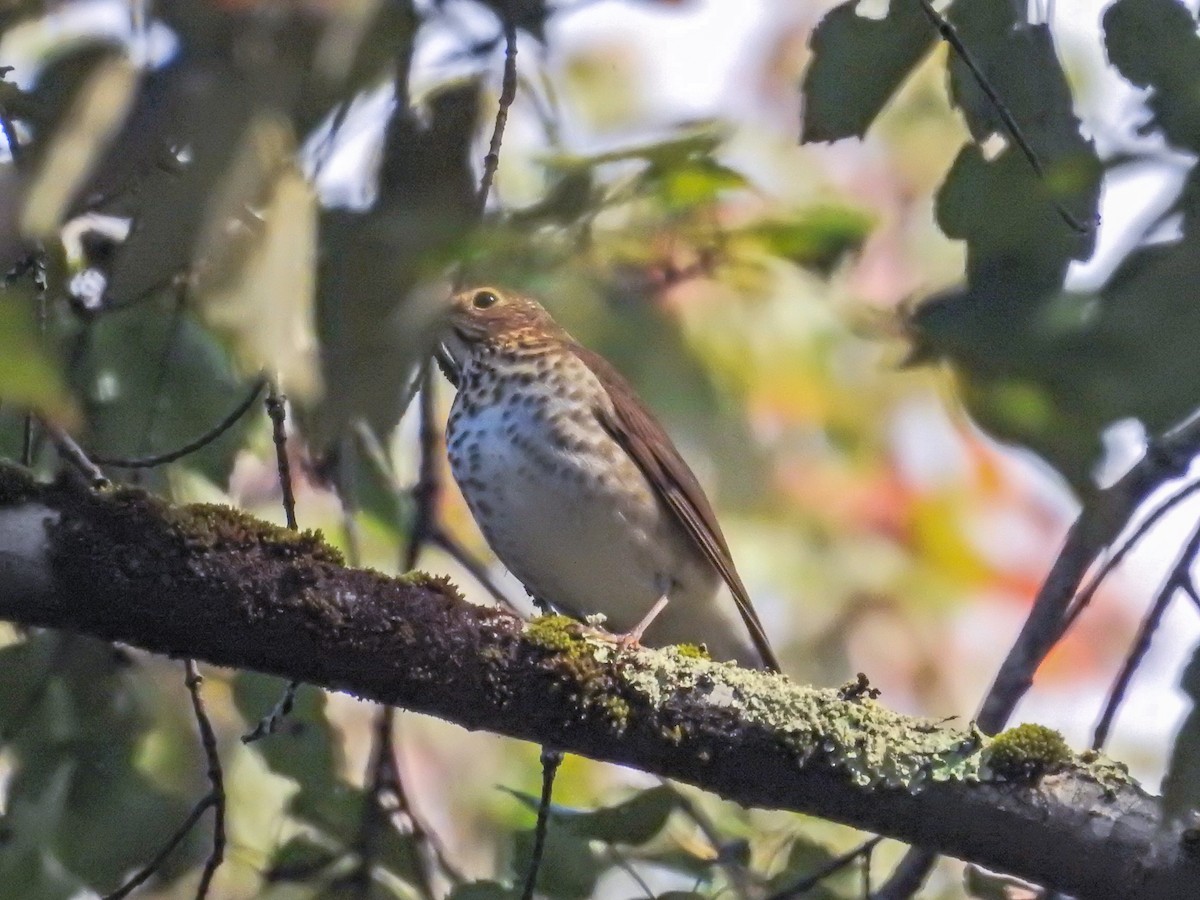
216	778
277	409
1179	579
949	34
508	93
427	491
1088	591
72	453
551	760
276	404
832	867
733	869
149	462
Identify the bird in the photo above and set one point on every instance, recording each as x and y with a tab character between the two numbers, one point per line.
579	490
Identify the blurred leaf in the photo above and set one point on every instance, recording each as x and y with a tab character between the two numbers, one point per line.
300	859
29	375
691	182
691	141
375	323
97	110
483	890
806	858
152	379
308	750
634	821
570	868
268	306
858	63
74	733
1172	70
818	238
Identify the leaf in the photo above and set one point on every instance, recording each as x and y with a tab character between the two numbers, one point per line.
570	868
300	859
1020	63
267	307
858	63
631	822
817	238
483	890
1172	70
29	375
152	379
96	112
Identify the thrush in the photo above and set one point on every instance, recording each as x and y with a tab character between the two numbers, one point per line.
578	489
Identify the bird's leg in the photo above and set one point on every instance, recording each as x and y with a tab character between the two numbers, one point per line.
633	637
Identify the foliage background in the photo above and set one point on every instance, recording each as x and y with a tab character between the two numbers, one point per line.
651	191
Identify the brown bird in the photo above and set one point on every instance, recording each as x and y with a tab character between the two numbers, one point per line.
579	490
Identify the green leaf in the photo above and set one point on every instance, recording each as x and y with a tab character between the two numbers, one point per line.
858	64
1172	70
483	890
153	379
570	868
300	859
29	375
631	822
817	239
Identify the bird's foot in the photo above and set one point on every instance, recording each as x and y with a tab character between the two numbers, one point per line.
631	639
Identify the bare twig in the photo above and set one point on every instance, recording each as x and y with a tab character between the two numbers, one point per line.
216	778
1088	591
75	455
277	410
428	490
508	93
1179	579
276	404
551	760
149	462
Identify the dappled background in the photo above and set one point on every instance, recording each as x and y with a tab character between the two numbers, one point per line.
864	347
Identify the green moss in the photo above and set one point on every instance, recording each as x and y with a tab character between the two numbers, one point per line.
580	664
558	634
1027	752
441	584
213	525
693	651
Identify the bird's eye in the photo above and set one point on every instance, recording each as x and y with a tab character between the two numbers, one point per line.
484	299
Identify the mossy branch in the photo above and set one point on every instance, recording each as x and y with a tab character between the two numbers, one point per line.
218	585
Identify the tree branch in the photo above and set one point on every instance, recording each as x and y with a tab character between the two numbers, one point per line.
218	585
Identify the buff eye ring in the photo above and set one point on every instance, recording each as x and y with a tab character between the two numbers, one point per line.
484	299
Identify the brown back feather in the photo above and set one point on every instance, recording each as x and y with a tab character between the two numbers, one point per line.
638	432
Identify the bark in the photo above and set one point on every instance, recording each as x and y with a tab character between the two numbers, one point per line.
220	586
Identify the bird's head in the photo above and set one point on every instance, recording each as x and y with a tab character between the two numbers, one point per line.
485	315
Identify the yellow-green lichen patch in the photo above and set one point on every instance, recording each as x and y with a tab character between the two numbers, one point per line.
213	525
1106	772
581	664
693	651
872	745
1026	753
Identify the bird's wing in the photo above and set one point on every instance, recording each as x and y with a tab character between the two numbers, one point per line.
638	432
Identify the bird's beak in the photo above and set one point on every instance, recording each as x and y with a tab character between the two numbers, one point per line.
448	364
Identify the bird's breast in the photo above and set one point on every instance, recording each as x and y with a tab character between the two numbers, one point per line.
558	499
